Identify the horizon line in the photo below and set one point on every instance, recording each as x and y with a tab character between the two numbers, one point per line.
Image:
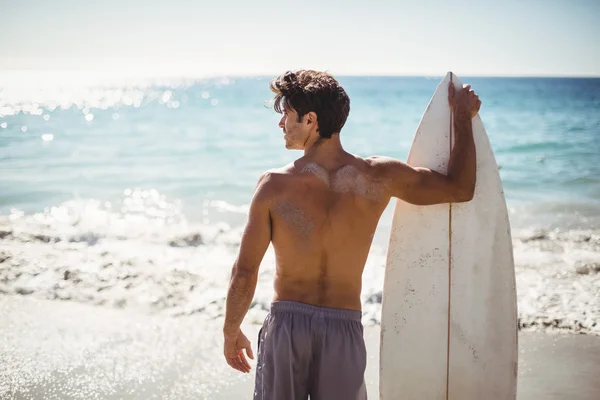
181	75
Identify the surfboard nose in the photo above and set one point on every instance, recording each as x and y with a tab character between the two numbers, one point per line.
451	77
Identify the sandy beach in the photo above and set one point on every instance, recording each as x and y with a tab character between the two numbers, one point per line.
66	350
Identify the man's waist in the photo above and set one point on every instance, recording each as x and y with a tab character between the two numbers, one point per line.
286	306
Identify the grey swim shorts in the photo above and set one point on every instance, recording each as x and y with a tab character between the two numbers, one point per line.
304	350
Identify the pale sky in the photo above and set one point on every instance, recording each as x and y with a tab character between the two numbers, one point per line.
248	37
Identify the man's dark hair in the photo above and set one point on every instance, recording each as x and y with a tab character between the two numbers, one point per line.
308	90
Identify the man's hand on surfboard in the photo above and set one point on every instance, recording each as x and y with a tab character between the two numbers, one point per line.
465	103
234	352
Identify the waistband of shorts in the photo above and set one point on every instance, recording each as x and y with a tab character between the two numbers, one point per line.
309	309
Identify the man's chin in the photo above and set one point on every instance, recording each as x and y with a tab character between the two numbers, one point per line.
291	145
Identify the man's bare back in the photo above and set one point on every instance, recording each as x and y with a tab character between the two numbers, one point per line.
323	221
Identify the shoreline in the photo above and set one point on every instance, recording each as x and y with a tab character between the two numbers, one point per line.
59	350
183	270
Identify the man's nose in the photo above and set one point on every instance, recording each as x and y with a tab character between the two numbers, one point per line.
281	122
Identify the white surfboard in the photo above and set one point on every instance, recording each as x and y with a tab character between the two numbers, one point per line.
449	314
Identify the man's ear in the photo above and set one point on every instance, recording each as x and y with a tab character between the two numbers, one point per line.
311	118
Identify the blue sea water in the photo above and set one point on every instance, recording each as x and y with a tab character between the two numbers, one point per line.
204	142
134	192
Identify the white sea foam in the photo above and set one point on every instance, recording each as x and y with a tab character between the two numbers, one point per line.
148	256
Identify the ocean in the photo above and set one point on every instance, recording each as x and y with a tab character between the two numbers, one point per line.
133	193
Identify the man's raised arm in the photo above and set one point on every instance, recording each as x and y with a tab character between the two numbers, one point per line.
423	186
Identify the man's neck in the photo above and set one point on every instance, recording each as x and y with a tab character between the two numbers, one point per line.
324	151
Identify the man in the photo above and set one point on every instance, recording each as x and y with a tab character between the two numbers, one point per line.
320	213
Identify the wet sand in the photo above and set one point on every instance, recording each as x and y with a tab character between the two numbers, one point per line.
66	350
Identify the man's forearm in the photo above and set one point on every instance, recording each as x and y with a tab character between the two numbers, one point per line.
462	165
239	297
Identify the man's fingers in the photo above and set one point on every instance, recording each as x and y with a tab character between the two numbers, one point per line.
245	364
241	366
248	347
236	363
451	93
465	91
232	363
250	352
242	362
245	361
451	89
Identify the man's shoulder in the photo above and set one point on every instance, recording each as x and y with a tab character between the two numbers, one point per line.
281	175
383	165
271	181
275	175
375	165
377	161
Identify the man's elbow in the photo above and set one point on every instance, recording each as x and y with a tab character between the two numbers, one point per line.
464	194
244	272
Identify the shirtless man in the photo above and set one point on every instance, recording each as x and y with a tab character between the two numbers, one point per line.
320	213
